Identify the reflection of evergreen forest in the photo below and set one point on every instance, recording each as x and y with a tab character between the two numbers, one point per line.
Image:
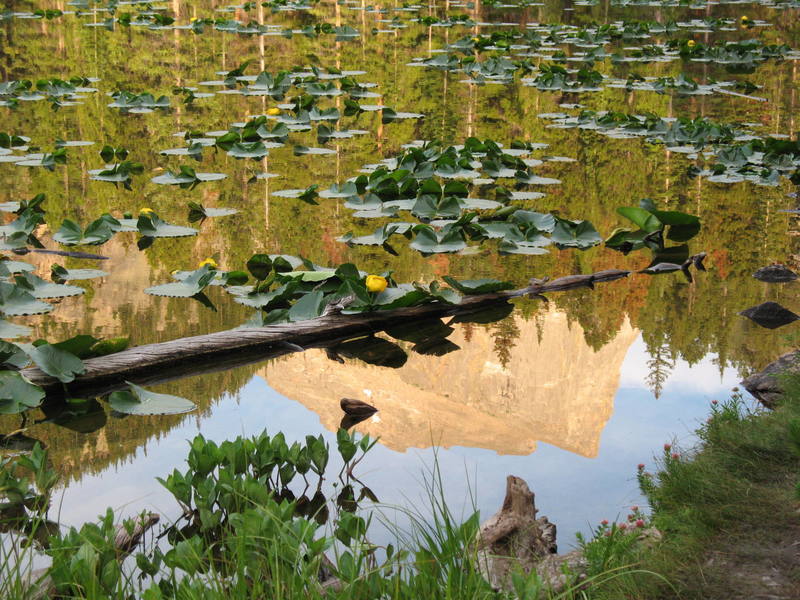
742	226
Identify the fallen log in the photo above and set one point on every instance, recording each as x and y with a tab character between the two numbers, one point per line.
181	357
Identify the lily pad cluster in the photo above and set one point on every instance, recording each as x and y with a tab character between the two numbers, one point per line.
56	91
289	289
303	92
734	153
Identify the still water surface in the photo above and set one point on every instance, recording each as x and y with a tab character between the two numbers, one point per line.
569	395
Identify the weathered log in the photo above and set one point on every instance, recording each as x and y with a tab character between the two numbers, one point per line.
216	351
514	540
42	586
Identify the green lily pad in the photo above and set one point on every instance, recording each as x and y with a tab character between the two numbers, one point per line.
575	234
39	288
478	286
521	247
78	274
17	394
56	362
16	301
198	212
10	330
98	232
191	285
150	225
429	241
16	266
139	401
309	306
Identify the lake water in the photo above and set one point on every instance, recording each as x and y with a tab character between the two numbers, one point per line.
570	395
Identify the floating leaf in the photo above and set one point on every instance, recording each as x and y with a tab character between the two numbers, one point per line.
79	345
16	301
56	362
310	306
10	330
429	241
575	234
139	401
150	225
193	284
186	177
17	394
478	286
13	356
198	212
39	288
75	274
98	232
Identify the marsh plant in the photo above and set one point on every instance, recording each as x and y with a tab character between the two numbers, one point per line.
255	523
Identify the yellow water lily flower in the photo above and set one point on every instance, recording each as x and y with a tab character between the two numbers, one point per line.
476	39
691	43
376	283
745	18
209	262
273	111
146	211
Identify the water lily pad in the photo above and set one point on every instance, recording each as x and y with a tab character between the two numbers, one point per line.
429	241
478	286
16	266
17	394
15	301
139	401
186	177
9	331
190	286
56	362
150	225
39	288
77	274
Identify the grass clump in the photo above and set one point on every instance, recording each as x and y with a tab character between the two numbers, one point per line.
727	509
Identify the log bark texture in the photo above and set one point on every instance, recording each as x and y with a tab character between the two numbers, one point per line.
218	351
514	539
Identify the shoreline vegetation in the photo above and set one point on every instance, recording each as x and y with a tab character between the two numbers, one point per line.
722	523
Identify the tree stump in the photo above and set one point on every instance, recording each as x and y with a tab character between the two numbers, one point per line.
514	540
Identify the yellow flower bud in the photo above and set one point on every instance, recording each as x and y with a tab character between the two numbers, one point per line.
273	111
376	283
476	39
745	18
209	262
146	211
691	43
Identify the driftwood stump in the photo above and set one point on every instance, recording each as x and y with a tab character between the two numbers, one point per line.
514	540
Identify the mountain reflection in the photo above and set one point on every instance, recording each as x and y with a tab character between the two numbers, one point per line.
553	388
